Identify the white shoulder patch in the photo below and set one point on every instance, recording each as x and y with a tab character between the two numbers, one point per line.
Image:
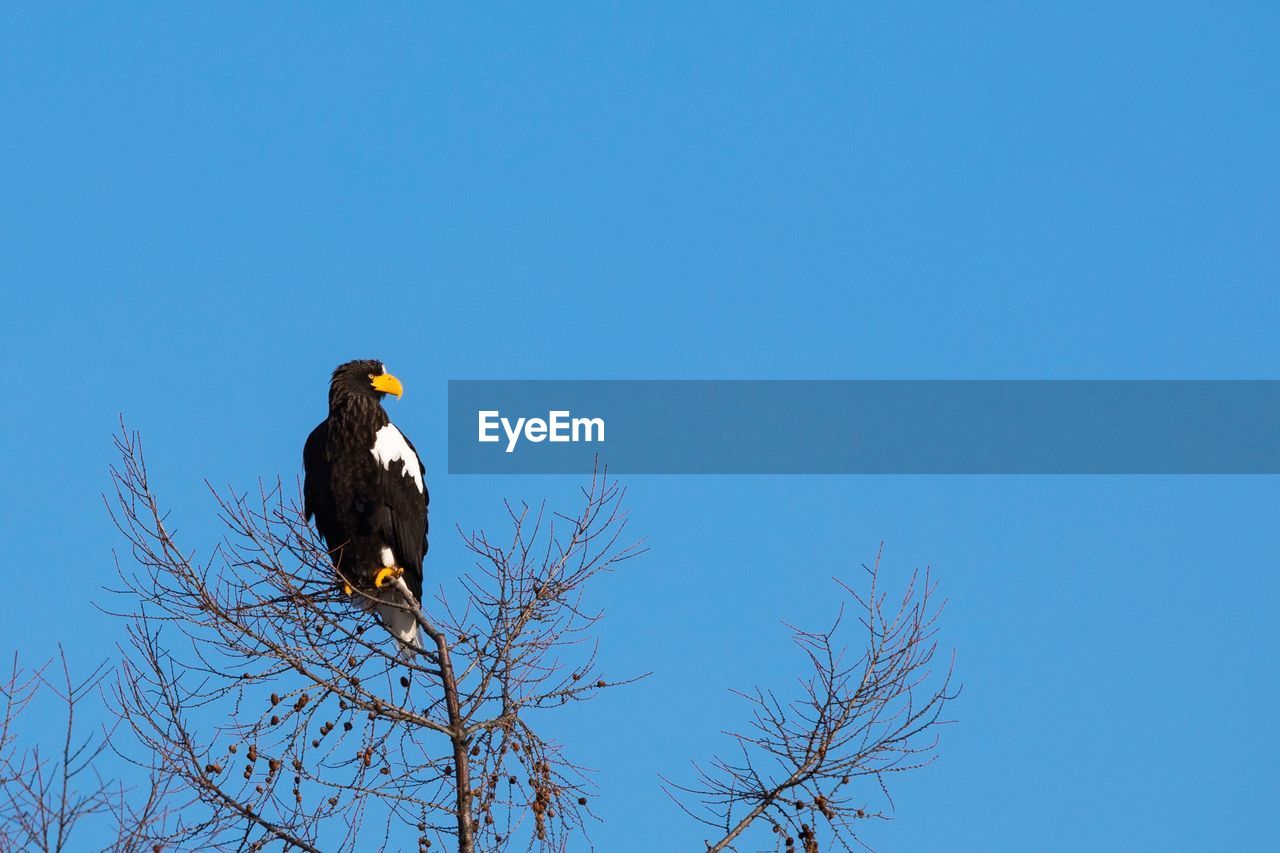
390	447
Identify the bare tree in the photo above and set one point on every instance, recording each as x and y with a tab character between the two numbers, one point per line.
270	711
795	767
254	686
46	795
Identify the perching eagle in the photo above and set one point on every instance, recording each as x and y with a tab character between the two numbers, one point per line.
364	487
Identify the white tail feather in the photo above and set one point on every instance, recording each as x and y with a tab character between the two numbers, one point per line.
398	612
403	625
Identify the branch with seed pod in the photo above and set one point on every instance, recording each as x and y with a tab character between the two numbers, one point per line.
865	718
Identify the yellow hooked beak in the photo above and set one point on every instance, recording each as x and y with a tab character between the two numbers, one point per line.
387	384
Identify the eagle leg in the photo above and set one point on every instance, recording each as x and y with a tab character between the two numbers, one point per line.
387	576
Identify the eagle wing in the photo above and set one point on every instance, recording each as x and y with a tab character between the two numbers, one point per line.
399	505
317	497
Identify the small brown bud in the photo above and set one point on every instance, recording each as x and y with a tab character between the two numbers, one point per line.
602	683
275	699
582	801
404	681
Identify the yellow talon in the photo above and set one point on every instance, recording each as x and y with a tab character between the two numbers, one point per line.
386	575
346	587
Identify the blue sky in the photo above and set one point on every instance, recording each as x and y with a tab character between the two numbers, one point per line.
204	209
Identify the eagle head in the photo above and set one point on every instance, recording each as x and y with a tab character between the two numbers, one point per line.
364	378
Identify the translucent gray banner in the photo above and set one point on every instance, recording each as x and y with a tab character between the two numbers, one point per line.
865	427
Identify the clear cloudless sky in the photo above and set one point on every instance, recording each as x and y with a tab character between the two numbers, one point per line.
205	207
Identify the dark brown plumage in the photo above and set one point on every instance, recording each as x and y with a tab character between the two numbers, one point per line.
364	486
